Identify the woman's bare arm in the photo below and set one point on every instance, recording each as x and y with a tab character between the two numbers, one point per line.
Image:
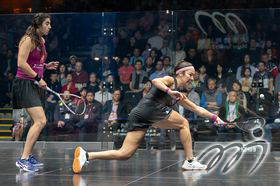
24	49
163	83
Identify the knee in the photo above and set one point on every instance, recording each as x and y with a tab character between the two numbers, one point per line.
42	122
125	155
185	124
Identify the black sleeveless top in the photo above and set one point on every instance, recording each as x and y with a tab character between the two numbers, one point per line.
160	96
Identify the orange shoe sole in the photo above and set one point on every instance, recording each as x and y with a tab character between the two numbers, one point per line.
76	163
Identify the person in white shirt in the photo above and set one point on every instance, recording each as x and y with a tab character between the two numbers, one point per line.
103	94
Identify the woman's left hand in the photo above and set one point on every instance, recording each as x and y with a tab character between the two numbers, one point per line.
52	65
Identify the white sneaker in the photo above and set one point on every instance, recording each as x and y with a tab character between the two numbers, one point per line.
194	165
80	159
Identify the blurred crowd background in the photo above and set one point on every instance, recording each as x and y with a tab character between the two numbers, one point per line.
111	58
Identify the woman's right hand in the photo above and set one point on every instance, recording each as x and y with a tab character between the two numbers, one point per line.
176	95
42	84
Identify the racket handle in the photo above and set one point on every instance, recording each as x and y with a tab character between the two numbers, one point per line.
37	83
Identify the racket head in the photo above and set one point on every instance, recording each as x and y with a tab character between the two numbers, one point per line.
252	125
79	100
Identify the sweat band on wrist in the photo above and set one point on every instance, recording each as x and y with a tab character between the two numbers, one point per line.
37	77
214	117
167	90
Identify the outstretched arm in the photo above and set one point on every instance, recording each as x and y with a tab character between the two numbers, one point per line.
186	103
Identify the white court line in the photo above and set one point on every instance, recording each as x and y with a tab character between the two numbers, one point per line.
153	173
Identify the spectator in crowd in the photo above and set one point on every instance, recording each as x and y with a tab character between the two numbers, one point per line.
209	58
270	66
111	83
254	51
122	48
9	64
22	123
136	56
63	118
93	84
231	111
156	41
146	52
125	72
149	66
220	77
6	89
240	95
62	75
246	81
275	109
179	53
71	66
115	110
167	65
277	81
138	78
211	98
80	77
109	67
51	98
160	72
139	40
166	50
247	64
264	77
197	85
103	94
194	97
154	54
70	85
82	94
87	124
202	74
192	57
147	88
100	49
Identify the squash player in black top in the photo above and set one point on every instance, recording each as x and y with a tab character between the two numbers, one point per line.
155	110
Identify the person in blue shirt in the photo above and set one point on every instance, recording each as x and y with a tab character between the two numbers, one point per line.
211	98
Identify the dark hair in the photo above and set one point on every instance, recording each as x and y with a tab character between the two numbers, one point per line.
262	63
90	92
127	57
37	21
69	74
243	71
181	45
66	70
82	89
181	64
167	57
238	83
138	61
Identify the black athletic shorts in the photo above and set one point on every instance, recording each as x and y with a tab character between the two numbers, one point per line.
26	94
146	113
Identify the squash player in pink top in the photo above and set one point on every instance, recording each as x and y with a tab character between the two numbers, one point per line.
31	61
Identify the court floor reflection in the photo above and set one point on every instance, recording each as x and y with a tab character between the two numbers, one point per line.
154	167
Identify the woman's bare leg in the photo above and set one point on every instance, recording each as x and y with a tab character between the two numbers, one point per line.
130	145
175	120
39	121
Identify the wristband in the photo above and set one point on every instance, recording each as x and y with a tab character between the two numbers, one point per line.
214	117
37	77
167	90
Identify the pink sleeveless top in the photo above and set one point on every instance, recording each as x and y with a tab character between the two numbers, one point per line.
36	60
